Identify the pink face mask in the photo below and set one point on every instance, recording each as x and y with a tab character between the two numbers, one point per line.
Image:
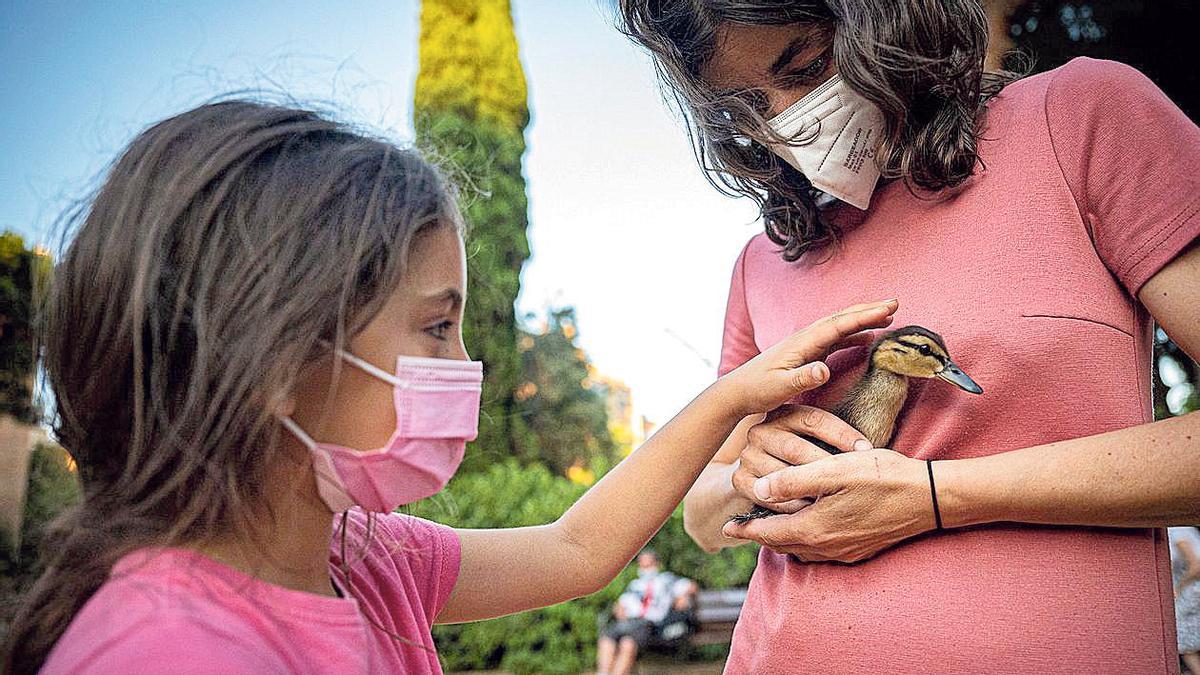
437	412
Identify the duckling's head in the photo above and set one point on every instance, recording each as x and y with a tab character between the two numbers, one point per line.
914	351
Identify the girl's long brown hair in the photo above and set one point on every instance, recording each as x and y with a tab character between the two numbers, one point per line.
226	248
920	61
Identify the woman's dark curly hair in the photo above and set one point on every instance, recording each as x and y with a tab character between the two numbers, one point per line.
921	62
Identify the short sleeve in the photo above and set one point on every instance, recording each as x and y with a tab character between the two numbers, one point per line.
432	552
1131	159
737	343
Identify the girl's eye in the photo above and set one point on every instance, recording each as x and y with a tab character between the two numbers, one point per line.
440	330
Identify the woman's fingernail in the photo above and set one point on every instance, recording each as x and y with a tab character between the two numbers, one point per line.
762	488
891	301
819	372
863	444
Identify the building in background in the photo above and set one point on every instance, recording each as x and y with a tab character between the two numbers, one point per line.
628	426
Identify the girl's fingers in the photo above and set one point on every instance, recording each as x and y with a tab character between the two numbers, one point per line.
775	375
816	340
842	325
807	376
867	305
863	339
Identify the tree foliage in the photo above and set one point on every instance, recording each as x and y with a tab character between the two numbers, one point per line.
470	113
1146	34
21	270
51	487
559	401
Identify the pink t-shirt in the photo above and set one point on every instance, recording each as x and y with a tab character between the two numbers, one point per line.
1090	186
176	611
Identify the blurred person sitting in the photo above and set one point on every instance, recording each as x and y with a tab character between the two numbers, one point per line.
656	607
1185	572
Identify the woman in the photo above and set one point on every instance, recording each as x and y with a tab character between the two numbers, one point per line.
1040	225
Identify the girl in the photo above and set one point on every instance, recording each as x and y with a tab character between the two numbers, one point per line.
256	297
1040	225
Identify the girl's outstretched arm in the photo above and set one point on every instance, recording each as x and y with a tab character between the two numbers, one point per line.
511	570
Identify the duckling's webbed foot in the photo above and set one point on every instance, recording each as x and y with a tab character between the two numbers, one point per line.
754	513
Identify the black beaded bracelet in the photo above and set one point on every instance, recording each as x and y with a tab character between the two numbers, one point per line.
937	514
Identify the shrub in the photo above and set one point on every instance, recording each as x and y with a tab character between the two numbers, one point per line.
52	487
562	638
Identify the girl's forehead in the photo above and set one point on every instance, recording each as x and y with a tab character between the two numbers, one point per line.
436	269
434	283
438	256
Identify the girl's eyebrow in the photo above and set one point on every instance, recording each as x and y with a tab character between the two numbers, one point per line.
451	295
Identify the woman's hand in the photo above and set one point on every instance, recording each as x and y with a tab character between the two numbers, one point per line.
793	365
862	503
777	443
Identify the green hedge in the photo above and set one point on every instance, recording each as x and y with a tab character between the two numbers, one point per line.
52	487
562	638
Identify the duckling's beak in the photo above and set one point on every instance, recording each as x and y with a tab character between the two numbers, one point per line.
954	375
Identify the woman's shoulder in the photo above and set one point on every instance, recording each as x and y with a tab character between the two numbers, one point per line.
1096	82
758	250
1077	85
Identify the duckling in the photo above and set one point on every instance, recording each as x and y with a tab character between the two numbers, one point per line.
874	402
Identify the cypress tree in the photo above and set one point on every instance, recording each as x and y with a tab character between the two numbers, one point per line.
471	112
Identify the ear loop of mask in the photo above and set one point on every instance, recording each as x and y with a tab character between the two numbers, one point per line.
368	367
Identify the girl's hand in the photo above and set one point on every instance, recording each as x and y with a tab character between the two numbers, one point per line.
793	365
863	503
588	546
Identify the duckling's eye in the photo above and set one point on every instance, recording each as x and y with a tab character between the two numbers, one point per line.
924	349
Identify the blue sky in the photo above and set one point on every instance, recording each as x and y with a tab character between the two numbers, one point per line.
623	226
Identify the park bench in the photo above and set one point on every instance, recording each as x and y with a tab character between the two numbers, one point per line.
716	614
